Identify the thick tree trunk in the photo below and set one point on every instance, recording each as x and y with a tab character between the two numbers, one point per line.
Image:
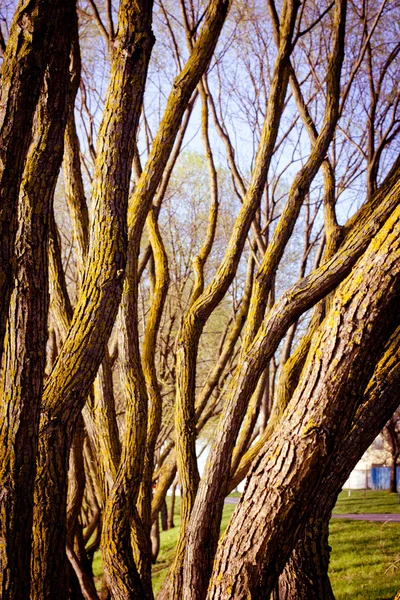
36	28
25	347
303	294
69	383
306	573
279	495
305	576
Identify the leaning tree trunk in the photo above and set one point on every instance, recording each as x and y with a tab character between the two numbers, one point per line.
305	576
279	495
306	573
24	355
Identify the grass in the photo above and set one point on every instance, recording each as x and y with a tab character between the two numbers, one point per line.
368	501
97	570
365	560
364	555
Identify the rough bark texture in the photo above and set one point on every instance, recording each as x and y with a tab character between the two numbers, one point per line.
99	411
25	343
35	27
68	385
306	573
357	234
278	497
305	576
305	293
204	526
117	515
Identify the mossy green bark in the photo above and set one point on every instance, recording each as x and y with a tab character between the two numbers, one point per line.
278	497
25	342
73	374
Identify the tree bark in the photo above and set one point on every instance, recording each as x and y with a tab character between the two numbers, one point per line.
304	293
35	28
279	495
25	346
164	516
305	576
69	383
393	475
391	435
170	523
306	573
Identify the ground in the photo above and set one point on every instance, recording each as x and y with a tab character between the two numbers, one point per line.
365	561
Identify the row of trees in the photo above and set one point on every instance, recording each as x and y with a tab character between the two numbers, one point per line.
154	298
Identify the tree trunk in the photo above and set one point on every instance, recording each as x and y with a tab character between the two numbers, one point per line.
305	576
69	383
155	540
393	474
306	573
164	516
172	506
307	292
279	495
25	347
34	33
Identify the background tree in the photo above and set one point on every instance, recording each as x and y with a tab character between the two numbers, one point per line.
391	435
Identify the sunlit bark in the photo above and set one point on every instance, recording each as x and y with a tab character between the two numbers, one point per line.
278	495
306	573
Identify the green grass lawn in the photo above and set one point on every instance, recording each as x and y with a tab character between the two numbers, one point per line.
367	501
365	560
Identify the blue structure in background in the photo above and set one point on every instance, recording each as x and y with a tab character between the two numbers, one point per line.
380	478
